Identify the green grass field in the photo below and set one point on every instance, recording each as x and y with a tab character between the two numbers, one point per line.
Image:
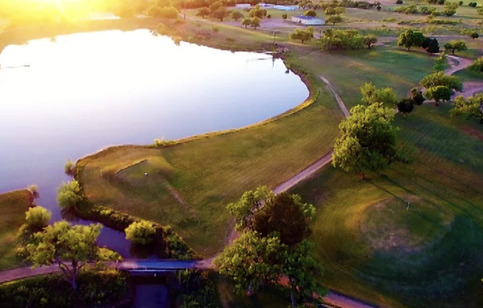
13	206
428	254
371	243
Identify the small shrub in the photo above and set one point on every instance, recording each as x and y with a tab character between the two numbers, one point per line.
284	16
477	66
34	191
69	194
472	4
399	1
474	35
140	232
37	217
69	168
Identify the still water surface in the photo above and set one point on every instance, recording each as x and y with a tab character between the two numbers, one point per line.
68	96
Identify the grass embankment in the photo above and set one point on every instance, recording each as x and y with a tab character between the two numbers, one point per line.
429	254
13	206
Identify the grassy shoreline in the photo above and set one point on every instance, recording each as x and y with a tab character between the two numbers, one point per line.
13	205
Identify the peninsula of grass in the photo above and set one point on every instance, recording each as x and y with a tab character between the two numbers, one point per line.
188	185
411	236
13	206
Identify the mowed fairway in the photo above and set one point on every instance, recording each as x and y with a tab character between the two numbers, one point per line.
425	253
13	206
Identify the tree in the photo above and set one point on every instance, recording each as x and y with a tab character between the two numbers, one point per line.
251	261
405	106
440	79
284	16
439	93
220	13
416	96
431	45
69	168
71	247
367	141
410	38
370	40
255	22
250	203
454	45
69	194
37	218
301	269
371	95
203	11
310	13
477	66
440	62
341	39
470	107
334	11
474	35
257	12
286	216
246	22
303	35
333	19
236	15
140	232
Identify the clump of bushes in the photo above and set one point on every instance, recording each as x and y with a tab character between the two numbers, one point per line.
69	195
96	288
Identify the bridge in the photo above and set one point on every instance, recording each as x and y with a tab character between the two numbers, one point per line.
153	266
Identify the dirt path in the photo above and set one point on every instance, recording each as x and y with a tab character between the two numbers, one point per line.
457	64
24	272
339	100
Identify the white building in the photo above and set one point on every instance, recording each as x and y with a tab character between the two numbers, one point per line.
243	6
308	21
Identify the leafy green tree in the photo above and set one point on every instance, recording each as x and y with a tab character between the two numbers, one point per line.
477	66
367	141
405	106
71	247
37	218
304	35
330	11
246	22
455	45
251	261
236	15
310	13
255	23
140	232
474	35
369	40
470	107
301	269
439	93
440	79
410	38
341	39
216	5
220	13
69	194
371	95
334	19
286	216
257	11
203	11
250	202
440	62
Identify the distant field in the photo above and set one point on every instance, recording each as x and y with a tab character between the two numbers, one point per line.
13	206
427	254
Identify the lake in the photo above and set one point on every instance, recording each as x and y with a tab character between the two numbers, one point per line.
66	97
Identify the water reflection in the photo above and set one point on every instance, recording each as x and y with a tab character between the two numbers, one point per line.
66	97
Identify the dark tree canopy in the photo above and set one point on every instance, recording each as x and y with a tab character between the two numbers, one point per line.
431	45
284	214
405	105
417	96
